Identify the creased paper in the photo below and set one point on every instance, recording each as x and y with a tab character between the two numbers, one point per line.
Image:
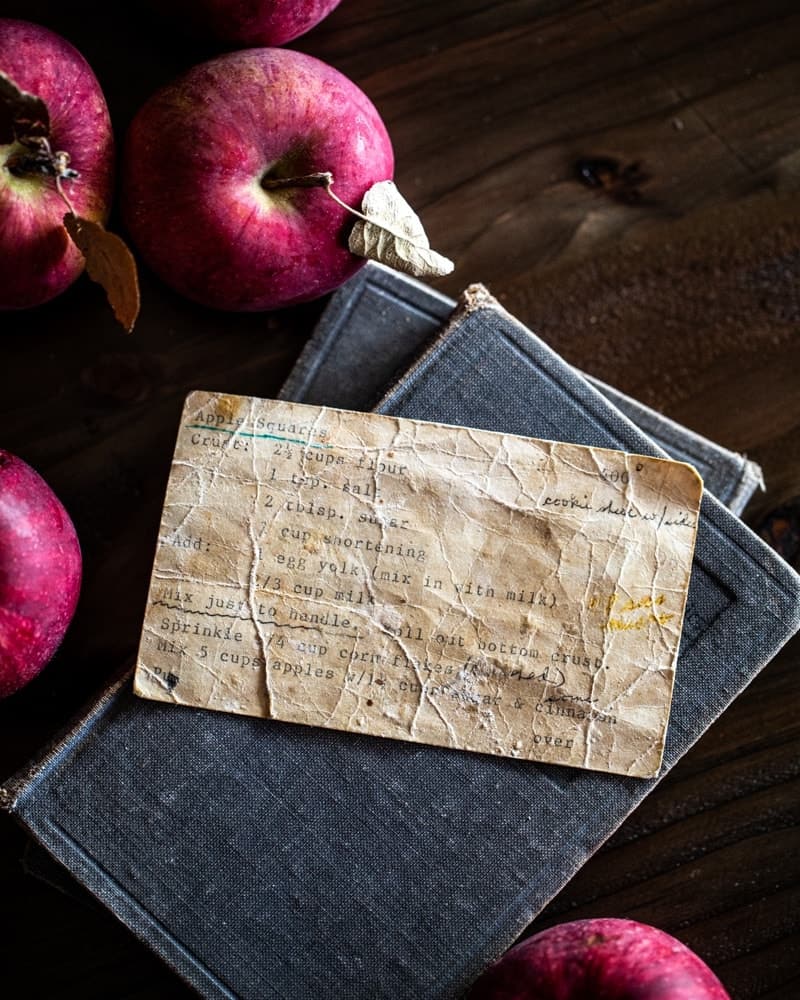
404	579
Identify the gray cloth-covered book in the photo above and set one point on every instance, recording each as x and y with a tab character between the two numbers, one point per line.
267	860
376	324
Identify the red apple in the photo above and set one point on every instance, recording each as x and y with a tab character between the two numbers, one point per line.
605	957
252	22
201	162
40	573
39	259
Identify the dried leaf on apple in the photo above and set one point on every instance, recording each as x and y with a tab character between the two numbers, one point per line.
22	115
110	263
391	233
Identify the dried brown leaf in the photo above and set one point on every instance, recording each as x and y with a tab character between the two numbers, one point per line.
392	234
110	263
22	115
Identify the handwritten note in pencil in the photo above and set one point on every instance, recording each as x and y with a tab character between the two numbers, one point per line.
423	582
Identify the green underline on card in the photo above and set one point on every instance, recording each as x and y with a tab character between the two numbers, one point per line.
250	434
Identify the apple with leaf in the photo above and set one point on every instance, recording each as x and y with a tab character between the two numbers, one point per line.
56	174
241	181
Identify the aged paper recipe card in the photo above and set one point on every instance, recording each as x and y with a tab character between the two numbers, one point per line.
419	581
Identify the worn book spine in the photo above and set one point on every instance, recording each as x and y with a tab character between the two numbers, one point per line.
62	743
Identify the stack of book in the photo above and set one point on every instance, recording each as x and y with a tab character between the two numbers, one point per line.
262	859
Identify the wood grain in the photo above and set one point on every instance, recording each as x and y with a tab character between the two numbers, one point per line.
678	282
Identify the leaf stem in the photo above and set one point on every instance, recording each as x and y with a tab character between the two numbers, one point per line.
64	197
353	211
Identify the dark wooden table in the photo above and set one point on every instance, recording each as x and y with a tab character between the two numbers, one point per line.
675	278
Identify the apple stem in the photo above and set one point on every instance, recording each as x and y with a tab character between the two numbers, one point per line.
36	158
320	179
323	179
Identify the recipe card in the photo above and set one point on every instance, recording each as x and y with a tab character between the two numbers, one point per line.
419	581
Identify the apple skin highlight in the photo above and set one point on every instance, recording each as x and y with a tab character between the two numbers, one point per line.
194	161
605	957
40	573
252	22
39	259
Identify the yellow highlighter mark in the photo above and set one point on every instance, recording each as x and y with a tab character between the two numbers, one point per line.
619	622
629	625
